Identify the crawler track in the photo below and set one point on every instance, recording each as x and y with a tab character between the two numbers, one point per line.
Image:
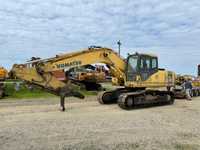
128	99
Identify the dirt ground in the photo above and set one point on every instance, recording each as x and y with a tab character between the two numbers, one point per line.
38	125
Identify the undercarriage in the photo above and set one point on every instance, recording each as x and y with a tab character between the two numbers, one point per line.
128	98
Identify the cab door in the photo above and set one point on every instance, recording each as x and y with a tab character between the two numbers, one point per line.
132	67
148	66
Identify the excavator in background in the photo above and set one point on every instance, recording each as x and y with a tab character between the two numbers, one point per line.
180	79
3	76
88	77
144	82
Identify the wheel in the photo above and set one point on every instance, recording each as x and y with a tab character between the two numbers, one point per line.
106	98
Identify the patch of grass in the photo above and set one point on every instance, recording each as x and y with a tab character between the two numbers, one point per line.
24	92
36	92
180	146
89	93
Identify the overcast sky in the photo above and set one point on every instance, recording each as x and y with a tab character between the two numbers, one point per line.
168	28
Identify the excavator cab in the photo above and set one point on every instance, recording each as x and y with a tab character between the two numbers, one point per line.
141	66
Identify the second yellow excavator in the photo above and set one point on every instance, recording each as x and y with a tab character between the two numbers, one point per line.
144	82
180	92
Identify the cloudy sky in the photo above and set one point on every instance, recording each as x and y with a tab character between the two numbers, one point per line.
168	28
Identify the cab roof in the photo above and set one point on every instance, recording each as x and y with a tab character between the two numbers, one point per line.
145	54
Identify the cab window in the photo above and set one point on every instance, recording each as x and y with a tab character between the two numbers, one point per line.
132	64
148	63
145	63
142	63
154	63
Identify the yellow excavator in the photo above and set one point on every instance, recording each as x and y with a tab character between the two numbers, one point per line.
3	76
144	82
179	91
88	77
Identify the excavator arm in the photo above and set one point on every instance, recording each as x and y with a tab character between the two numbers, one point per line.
39	72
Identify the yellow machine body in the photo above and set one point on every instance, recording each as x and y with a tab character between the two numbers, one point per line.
157	80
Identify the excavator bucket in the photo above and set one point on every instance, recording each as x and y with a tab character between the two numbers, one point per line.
66	91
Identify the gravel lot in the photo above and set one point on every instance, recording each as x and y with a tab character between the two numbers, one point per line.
38	125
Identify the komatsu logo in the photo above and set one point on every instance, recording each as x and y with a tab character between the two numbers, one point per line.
70	64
